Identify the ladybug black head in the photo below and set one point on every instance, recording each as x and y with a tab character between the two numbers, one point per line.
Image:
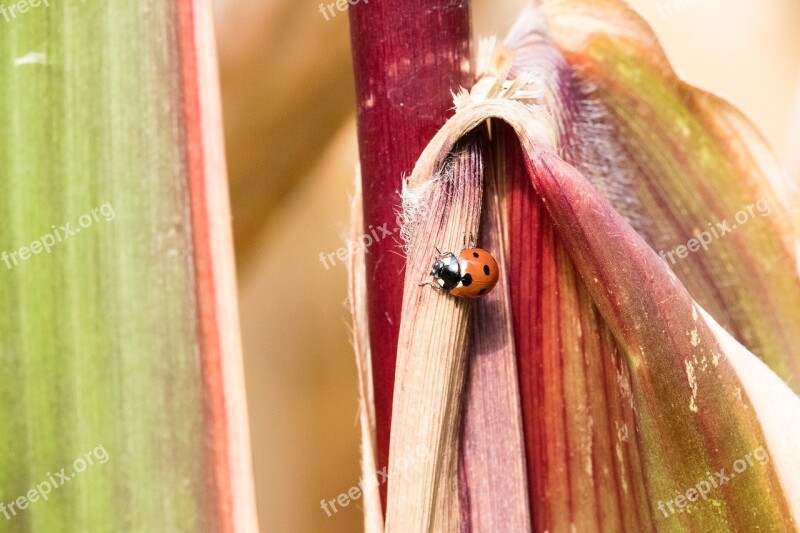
446	271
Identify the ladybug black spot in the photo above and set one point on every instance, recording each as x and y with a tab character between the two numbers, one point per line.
475	254
486	269
466	280
482	292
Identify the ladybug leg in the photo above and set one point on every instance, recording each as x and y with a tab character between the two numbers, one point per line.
432	284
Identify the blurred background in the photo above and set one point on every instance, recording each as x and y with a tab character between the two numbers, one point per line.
288	101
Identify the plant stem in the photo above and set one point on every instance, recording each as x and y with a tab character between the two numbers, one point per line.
407	58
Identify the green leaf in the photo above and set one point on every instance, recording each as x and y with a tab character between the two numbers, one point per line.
122	335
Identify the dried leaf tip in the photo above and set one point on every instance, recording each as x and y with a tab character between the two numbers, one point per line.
494	62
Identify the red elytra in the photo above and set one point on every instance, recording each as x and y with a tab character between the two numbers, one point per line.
470	275
478	265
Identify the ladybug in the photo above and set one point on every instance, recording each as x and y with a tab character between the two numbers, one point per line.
470	275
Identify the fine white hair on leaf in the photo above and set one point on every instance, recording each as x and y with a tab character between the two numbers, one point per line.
416	201
599	156
588	138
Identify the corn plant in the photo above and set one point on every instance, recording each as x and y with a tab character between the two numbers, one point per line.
632	370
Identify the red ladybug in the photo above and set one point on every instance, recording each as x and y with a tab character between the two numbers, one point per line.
470	275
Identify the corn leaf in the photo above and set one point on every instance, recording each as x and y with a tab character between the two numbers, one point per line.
118	327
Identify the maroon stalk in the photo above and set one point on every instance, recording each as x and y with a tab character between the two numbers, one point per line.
407	58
